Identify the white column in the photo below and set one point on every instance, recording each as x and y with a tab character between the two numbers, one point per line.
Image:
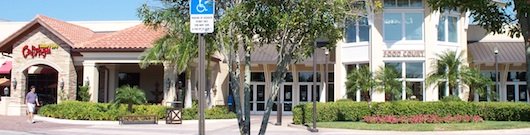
340	86
187	103
403	83
358	95
169	84
91	76
323	85
516	91
113	81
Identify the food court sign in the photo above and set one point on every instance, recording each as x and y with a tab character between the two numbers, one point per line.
403	53
41	50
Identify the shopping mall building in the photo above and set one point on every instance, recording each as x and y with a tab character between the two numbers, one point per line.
57	57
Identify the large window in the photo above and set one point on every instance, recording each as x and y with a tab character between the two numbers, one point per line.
403	26
357	30
403	20
403	4
412	77
447	28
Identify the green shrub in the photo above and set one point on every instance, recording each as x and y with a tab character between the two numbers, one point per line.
333	111
344	100
130	96
83	94
451	98
355	111
217	112
76	110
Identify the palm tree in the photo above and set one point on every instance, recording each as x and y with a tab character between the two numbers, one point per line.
360	79
129	95
178	47
449	68
476	82
446	69
387	78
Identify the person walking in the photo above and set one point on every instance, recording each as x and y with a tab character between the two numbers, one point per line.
31	101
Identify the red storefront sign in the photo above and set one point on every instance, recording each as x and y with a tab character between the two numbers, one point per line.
38	51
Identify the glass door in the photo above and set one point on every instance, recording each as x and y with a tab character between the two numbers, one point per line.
306	93
287	94
257	98
523	95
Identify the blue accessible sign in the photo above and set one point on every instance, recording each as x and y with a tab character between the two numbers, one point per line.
202	16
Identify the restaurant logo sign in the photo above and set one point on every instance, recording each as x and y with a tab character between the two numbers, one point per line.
40	50
404	53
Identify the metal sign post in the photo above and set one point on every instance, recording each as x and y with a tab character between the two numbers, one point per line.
201	21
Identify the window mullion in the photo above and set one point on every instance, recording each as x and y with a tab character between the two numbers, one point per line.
357	39
446	28
403	23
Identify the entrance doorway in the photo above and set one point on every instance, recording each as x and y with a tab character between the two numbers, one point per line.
257	98
286	97
306	93
45	79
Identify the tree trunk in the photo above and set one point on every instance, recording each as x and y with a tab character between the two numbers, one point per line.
247	88
284	59
524	23
235	83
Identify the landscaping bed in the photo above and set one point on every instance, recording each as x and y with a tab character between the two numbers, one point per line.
486	125
356	111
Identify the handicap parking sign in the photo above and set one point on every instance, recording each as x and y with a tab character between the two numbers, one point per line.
202	16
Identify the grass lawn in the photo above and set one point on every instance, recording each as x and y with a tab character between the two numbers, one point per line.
426	127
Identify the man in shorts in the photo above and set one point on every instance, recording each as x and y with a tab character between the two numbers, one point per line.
31	100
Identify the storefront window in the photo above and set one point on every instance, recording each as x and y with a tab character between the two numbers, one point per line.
357	30
520	76
413	78
131	79
402	4
307	77
257	77
403	20
288	76
447	28
396	65
392	26
414	70
417	90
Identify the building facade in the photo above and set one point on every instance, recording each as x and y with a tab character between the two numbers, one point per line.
58	57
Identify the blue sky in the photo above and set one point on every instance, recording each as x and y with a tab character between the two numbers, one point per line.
71	10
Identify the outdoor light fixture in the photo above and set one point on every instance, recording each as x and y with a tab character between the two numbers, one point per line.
61	84
14	83
6	91
496	52
168	83
87	82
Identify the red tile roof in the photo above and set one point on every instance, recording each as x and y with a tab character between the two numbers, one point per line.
80	38
137	37
74	33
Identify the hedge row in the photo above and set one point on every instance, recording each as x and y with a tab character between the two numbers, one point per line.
76	110
355	111
217	112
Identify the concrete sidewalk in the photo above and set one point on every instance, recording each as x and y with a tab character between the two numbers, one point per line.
230	127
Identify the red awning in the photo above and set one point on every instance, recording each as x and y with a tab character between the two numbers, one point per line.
6	68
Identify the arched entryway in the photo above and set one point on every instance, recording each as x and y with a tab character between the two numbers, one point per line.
45	79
